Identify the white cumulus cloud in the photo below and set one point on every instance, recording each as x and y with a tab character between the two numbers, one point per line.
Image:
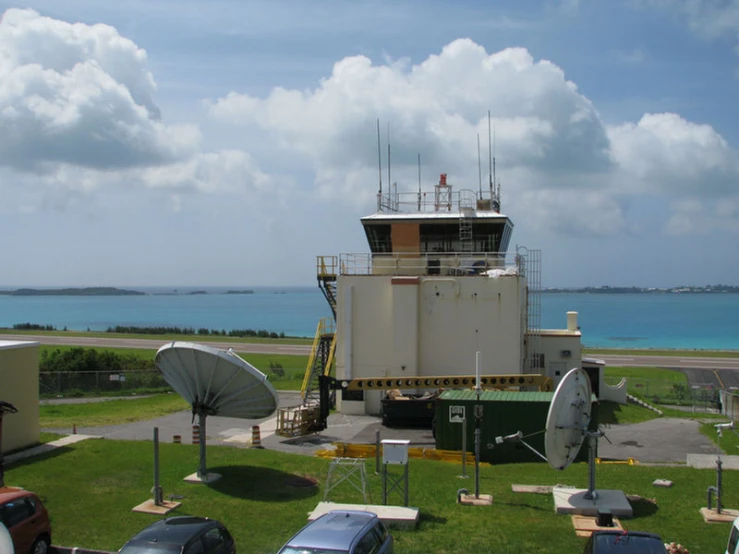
81	95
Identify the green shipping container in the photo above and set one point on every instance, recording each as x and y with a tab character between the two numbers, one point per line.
501	413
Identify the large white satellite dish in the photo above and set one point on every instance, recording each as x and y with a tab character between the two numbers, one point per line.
215	382
568	419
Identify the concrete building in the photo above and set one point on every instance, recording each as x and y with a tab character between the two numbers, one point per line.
439	294
19	385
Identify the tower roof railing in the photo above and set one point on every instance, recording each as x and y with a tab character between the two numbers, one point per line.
488	264
442	199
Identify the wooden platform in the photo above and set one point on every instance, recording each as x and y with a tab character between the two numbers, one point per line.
150	507
585	525
726	515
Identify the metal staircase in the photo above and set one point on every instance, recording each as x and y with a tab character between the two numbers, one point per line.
320	361
326	274
324	344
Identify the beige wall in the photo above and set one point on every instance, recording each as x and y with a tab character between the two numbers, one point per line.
432	326
19	385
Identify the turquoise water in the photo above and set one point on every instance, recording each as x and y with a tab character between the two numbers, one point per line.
685	321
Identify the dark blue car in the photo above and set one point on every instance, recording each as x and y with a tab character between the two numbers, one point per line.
182	535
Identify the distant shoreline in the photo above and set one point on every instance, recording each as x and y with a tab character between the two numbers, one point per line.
105	291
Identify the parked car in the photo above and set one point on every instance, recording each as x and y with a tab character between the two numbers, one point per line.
182	535
622	542
342	531
27	520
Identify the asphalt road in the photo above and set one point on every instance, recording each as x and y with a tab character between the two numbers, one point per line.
716	372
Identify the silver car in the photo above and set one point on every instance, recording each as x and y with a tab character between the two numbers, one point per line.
342	531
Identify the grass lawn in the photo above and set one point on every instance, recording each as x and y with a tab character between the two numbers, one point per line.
90	488
111	412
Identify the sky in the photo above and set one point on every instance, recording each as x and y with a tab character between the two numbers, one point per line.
230	142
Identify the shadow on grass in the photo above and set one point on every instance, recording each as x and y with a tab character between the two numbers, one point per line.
643	507
425	517
38	453
608	413
263	484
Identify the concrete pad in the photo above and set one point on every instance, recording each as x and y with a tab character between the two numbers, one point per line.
47	447
209	478
708	461
572	501
471	500
712	516
585	525
149	507
538	489
398	517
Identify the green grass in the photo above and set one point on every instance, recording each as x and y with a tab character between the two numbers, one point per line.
91	487
111	412
729	441
260	361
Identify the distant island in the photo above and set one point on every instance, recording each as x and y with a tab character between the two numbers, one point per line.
711	289
240	292
86	291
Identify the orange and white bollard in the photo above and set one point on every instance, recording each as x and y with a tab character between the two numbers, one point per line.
256	437
196	434
177	439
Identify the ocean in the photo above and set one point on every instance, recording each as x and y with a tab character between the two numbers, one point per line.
669	321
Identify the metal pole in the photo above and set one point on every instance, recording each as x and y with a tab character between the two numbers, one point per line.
718	486
464	448
477	460
377	451
157	488
591	494
406	485
384	485
202	472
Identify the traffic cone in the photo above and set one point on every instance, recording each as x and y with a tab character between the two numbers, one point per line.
196	434
256	437
177	439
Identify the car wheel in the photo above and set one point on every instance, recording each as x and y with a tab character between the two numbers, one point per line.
40	546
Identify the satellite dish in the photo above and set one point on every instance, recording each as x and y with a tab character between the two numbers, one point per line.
568	419
215	382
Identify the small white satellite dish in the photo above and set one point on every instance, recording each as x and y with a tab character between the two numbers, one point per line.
215	382
568	419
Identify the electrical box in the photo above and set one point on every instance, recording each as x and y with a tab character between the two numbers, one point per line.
395	451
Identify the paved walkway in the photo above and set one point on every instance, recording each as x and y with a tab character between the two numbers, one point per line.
662	440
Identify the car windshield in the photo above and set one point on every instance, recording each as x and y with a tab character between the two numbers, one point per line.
298	550
636	544
151	549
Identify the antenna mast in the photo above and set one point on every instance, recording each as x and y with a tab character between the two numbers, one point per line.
389	182
479	167
490	155
419	181
379	159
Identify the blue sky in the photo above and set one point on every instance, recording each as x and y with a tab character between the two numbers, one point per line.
230	142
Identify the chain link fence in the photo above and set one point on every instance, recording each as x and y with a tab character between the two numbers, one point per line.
703	397
89	383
